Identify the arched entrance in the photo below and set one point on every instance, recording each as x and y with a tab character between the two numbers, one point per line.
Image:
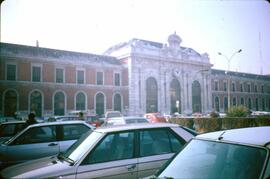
196	97
175	96
151	95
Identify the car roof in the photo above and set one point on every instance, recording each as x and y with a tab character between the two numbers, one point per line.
253	135
12	122
128	117
133	126
61	123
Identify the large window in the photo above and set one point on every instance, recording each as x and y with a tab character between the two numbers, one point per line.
11	72
80	77
225	104
36	103
36	73
216	85
117	102
100	104
175	96
59	104
234	101
59	75
117	79
248	88
151	95
196	97
225	86
80	101
99	78
249	104
10	103
257	104
217	104
233	86
242	101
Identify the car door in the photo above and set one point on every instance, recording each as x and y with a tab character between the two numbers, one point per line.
156	147
36	142
113	157
70	133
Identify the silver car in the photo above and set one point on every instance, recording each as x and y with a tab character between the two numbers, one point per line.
235	154
128	151
41	140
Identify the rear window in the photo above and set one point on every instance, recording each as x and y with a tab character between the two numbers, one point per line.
216	160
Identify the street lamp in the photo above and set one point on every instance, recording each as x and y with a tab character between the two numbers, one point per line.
227	73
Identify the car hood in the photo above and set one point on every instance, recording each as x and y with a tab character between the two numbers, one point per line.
40	168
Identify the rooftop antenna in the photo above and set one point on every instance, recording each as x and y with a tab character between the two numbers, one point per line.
37	43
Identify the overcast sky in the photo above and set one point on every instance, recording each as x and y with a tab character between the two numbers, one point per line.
93	26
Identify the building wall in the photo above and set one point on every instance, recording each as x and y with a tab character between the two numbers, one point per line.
262	94
23	85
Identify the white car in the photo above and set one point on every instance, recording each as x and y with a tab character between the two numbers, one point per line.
41	140
238	153
127	151
125	120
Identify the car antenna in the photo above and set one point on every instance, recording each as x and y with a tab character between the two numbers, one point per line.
221	135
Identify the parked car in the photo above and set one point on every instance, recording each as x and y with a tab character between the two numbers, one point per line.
155	117
237	153
127	151
7	119
94	120
9	129
125	120
90	119
110	114
40	140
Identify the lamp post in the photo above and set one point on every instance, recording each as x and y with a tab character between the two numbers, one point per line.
227	73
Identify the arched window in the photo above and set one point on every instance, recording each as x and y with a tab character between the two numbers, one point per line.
263	104
36	103
225	104
257	104
175	96
100	104
117	103
234	101
80	101
196	97
242	101
249	104
10	103
151	95
217	104
59	104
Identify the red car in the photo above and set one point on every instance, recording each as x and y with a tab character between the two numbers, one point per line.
94	120
155	117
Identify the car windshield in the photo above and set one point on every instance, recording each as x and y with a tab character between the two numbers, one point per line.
207	159
81	146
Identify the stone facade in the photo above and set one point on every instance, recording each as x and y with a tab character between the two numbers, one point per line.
164	63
